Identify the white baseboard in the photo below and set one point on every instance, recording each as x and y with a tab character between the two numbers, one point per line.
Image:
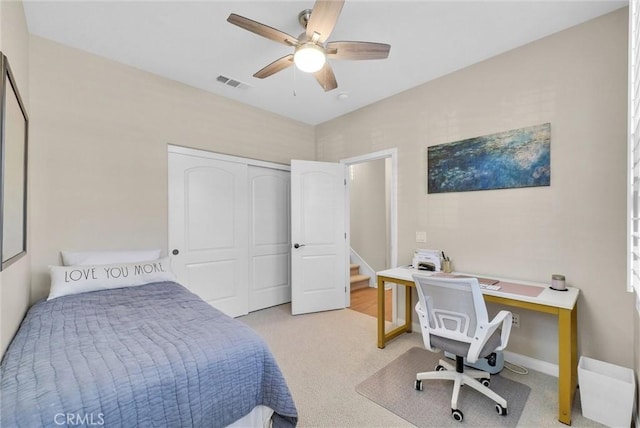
531	363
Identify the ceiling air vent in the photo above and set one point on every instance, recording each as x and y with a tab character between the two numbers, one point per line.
231	82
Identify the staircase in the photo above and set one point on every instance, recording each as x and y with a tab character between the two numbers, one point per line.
358	281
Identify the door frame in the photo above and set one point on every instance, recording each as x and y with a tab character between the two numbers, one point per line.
393	197
391	154
172	148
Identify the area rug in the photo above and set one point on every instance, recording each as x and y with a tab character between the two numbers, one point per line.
392	387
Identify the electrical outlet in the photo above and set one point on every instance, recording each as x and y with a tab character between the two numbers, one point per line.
421	236
515	320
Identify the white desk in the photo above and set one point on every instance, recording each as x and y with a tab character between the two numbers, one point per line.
559	303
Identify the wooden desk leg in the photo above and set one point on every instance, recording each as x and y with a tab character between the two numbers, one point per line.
381	338
567	362
407	309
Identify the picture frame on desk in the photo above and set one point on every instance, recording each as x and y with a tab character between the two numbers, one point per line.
14	126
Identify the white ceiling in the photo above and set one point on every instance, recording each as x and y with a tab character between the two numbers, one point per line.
192	42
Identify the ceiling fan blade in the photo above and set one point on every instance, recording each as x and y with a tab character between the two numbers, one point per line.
323	18
357	50
326	78
262	30
277	65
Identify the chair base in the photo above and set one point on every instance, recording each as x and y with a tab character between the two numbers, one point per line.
447	371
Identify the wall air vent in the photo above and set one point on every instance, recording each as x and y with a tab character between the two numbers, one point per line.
231	82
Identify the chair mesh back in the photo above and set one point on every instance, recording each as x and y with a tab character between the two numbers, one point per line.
450	306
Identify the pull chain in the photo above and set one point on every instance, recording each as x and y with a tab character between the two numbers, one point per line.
294	81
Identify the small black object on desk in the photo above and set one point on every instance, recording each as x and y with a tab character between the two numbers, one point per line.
426	266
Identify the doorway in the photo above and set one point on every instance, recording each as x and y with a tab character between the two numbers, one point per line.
372	184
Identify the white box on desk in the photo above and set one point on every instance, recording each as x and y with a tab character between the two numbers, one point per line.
607	392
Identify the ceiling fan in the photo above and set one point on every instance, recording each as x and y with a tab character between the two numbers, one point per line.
311	49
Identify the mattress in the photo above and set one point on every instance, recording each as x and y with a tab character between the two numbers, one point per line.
151	355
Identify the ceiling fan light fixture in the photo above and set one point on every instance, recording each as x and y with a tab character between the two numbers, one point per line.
311	48
309	57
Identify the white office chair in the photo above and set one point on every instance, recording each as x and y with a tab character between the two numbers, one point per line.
453	318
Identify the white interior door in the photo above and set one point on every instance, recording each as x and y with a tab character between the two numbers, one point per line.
319	268
208	219
269	233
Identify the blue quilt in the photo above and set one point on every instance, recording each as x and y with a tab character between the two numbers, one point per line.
152	355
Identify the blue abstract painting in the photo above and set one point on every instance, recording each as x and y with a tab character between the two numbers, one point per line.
516	158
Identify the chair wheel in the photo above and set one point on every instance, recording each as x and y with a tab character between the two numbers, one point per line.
502	411
486	382
457	415
418	385
440	368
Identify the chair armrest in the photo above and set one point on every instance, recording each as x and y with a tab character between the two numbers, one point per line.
503	318
506	319
424	322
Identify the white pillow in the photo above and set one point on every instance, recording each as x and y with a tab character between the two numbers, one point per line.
67	280
81	258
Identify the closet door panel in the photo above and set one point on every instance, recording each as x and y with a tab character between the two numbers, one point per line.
208	220
208	226
270	271
199	277
269	238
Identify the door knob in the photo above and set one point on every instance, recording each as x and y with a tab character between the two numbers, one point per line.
175	252
296	245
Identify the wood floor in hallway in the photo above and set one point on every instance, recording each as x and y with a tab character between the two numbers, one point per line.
365	300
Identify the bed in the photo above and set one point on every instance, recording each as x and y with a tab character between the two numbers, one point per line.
150	355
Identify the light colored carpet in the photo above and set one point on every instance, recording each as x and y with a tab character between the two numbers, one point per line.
325	355
392	387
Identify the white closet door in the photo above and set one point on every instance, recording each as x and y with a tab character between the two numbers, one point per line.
208	219
269	238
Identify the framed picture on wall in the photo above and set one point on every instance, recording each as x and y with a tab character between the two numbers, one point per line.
14	125
505	160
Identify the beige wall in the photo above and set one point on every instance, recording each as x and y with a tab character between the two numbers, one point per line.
99	142
15	280
577	81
